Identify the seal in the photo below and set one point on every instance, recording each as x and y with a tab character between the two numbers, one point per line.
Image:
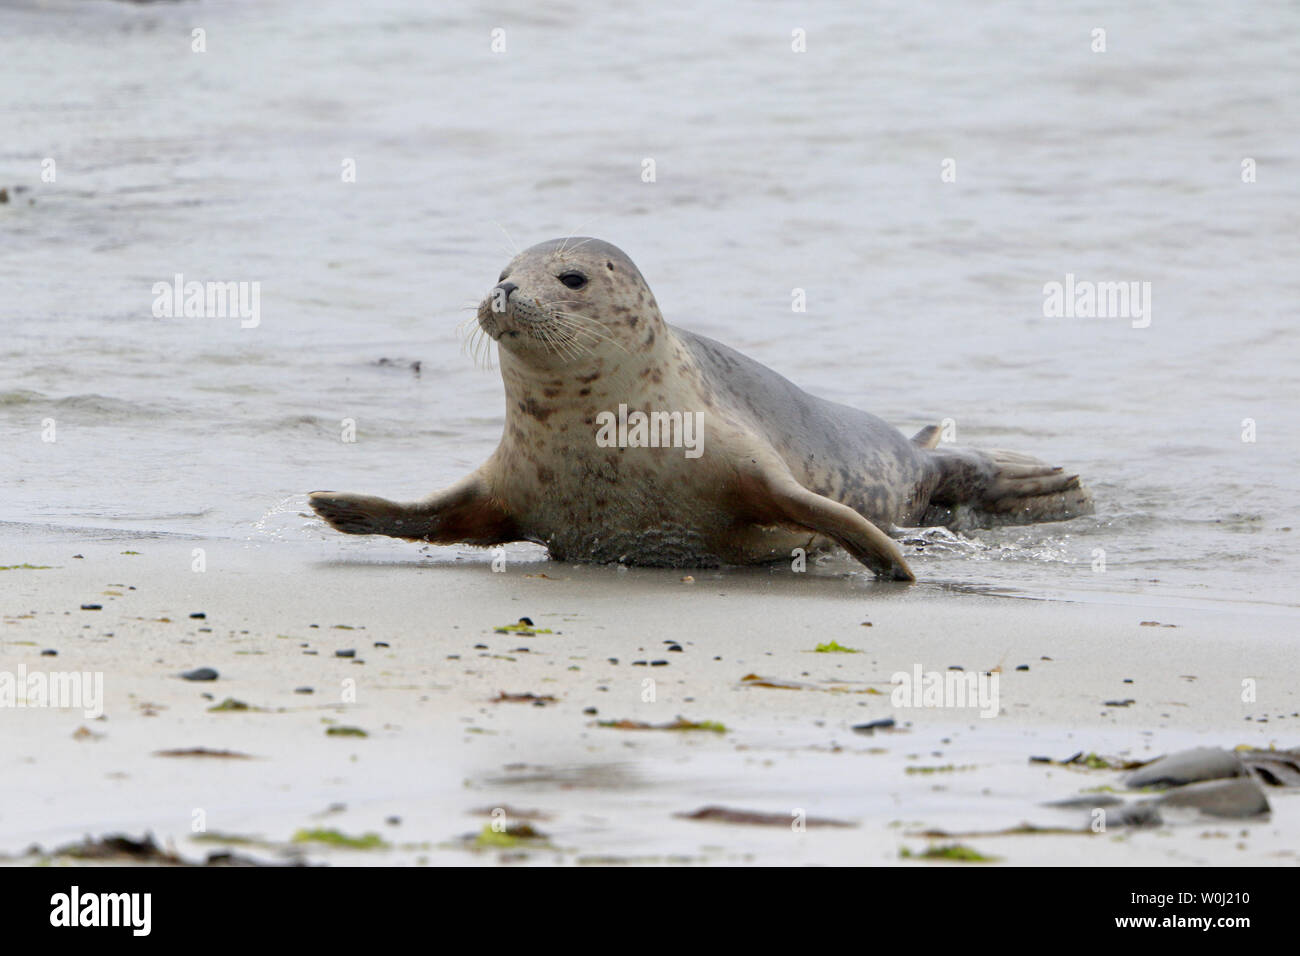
629	440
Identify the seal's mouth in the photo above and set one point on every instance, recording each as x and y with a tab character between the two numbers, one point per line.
515	321
533	328
491	321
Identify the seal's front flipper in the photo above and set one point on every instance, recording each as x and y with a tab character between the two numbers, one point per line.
363	514
779	499
462	514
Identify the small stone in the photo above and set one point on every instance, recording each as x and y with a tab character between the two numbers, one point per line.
92	607
348	653
199	616
381	643
884	723
658	663
201	673
676	648
49	652
304	690
590	711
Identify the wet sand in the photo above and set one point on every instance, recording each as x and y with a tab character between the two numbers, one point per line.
440	752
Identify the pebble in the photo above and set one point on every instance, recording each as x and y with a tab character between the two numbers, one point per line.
201	673
92	607
870	728
304	690
347	653
199	616
49	652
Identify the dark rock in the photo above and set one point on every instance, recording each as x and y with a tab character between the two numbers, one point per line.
1236	798
870	728
1187	766
201	673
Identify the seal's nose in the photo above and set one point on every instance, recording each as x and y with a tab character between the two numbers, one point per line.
506	288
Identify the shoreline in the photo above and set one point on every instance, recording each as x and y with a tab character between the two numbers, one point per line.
439	745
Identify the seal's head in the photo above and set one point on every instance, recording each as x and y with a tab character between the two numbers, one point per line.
571	302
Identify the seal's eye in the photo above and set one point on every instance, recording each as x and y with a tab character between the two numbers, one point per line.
574	280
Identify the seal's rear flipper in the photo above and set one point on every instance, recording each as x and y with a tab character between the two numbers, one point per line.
983	489
928	437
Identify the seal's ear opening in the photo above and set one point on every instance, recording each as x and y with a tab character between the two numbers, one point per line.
609	265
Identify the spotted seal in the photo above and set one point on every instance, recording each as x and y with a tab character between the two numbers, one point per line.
585	354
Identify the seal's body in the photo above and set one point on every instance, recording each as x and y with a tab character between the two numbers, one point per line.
599	461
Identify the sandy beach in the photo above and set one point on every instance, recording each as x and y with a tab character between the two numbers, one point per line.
440	753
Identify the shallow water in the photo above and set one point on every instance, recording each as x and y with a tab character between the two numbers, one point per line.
775	171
